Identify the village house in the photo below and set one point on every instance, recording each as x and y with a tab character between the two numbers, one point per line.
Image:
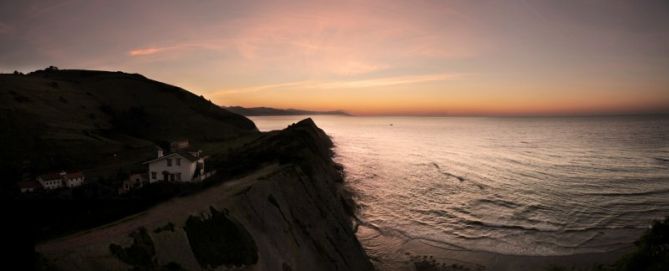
180	165
29	186
134	181
52	181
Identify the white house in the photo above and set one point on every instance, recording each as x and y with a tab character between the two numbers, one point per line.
57	180
178	166
51	181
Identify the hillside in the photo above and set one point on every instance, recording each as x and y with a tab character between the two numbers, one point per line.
268	111
79	119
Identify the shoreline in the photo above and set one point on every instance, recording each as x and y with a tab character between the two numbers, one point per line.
395	253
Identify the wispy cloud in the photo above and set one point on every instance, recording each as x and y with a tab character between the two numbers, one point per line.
389	81
145	51
155	50
345	84
300	84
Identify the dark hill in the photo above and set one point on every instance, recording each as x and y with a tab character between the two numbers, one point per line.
75	119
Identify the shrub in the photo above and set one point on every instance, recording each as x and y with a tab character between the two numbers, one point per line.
219	240
140	253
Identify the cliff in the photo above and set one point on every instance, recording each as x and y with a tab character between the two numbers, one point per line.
289	213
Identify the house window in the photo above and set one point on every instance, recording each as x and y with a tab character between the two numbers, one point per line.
153	175
172	177
169	162
178	161
178	176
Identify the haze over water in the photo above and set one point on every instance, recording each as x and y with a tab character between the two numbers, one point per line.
518	186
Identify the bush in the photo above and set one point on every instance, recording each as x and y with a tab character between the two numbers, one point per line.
219	240
140	253
652	250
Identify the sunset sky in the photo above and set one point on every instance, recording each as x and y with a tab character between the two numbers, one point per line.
365	57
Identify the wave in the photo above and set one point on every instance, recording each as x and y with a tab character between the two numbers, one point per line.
527	228
499	202
455	176
619	194
661	159
460	178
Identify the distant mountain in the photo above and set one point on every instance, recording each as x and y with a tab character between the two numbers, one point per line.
268	111
74	119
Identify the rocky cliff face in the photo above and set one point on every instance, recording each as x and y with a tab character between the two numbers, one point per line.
289	214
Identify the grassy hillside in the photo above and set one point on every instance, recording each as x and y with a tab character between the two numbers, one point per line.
78	119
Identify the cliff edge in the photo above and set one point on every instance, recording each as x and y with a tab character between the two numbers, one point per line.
289	213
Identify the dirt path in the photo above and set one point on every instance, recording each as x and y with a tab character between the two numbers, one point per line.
155	216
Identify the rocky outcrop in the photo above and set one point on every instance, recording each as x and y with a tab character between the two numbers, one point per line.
288	214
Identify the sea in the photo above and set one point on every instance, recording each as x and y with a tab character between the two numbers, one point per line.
460	189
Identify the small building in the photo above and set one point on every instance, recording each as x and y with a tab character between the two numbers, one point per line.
134	181
29	186
53	180
61	179
178	166
74	179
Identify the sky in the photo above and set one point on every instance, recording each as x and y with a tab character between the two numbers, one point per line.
366	57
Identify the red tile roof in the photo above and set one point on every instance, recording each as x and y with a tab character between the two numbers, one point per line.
50	176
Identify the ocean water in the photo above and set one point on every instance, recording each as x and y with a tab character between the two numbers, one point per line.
511	186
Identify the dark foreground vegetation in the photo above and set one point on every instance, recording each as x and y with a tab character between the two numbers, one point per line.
220	240
141	255
651	252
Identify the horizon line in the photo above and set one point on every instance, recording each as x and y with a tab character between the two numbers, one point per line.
658	113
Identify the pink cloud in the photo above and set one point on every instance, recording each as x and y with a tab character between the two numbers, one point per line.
345	84
340	40
178	47
5	28
145	51
347	41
